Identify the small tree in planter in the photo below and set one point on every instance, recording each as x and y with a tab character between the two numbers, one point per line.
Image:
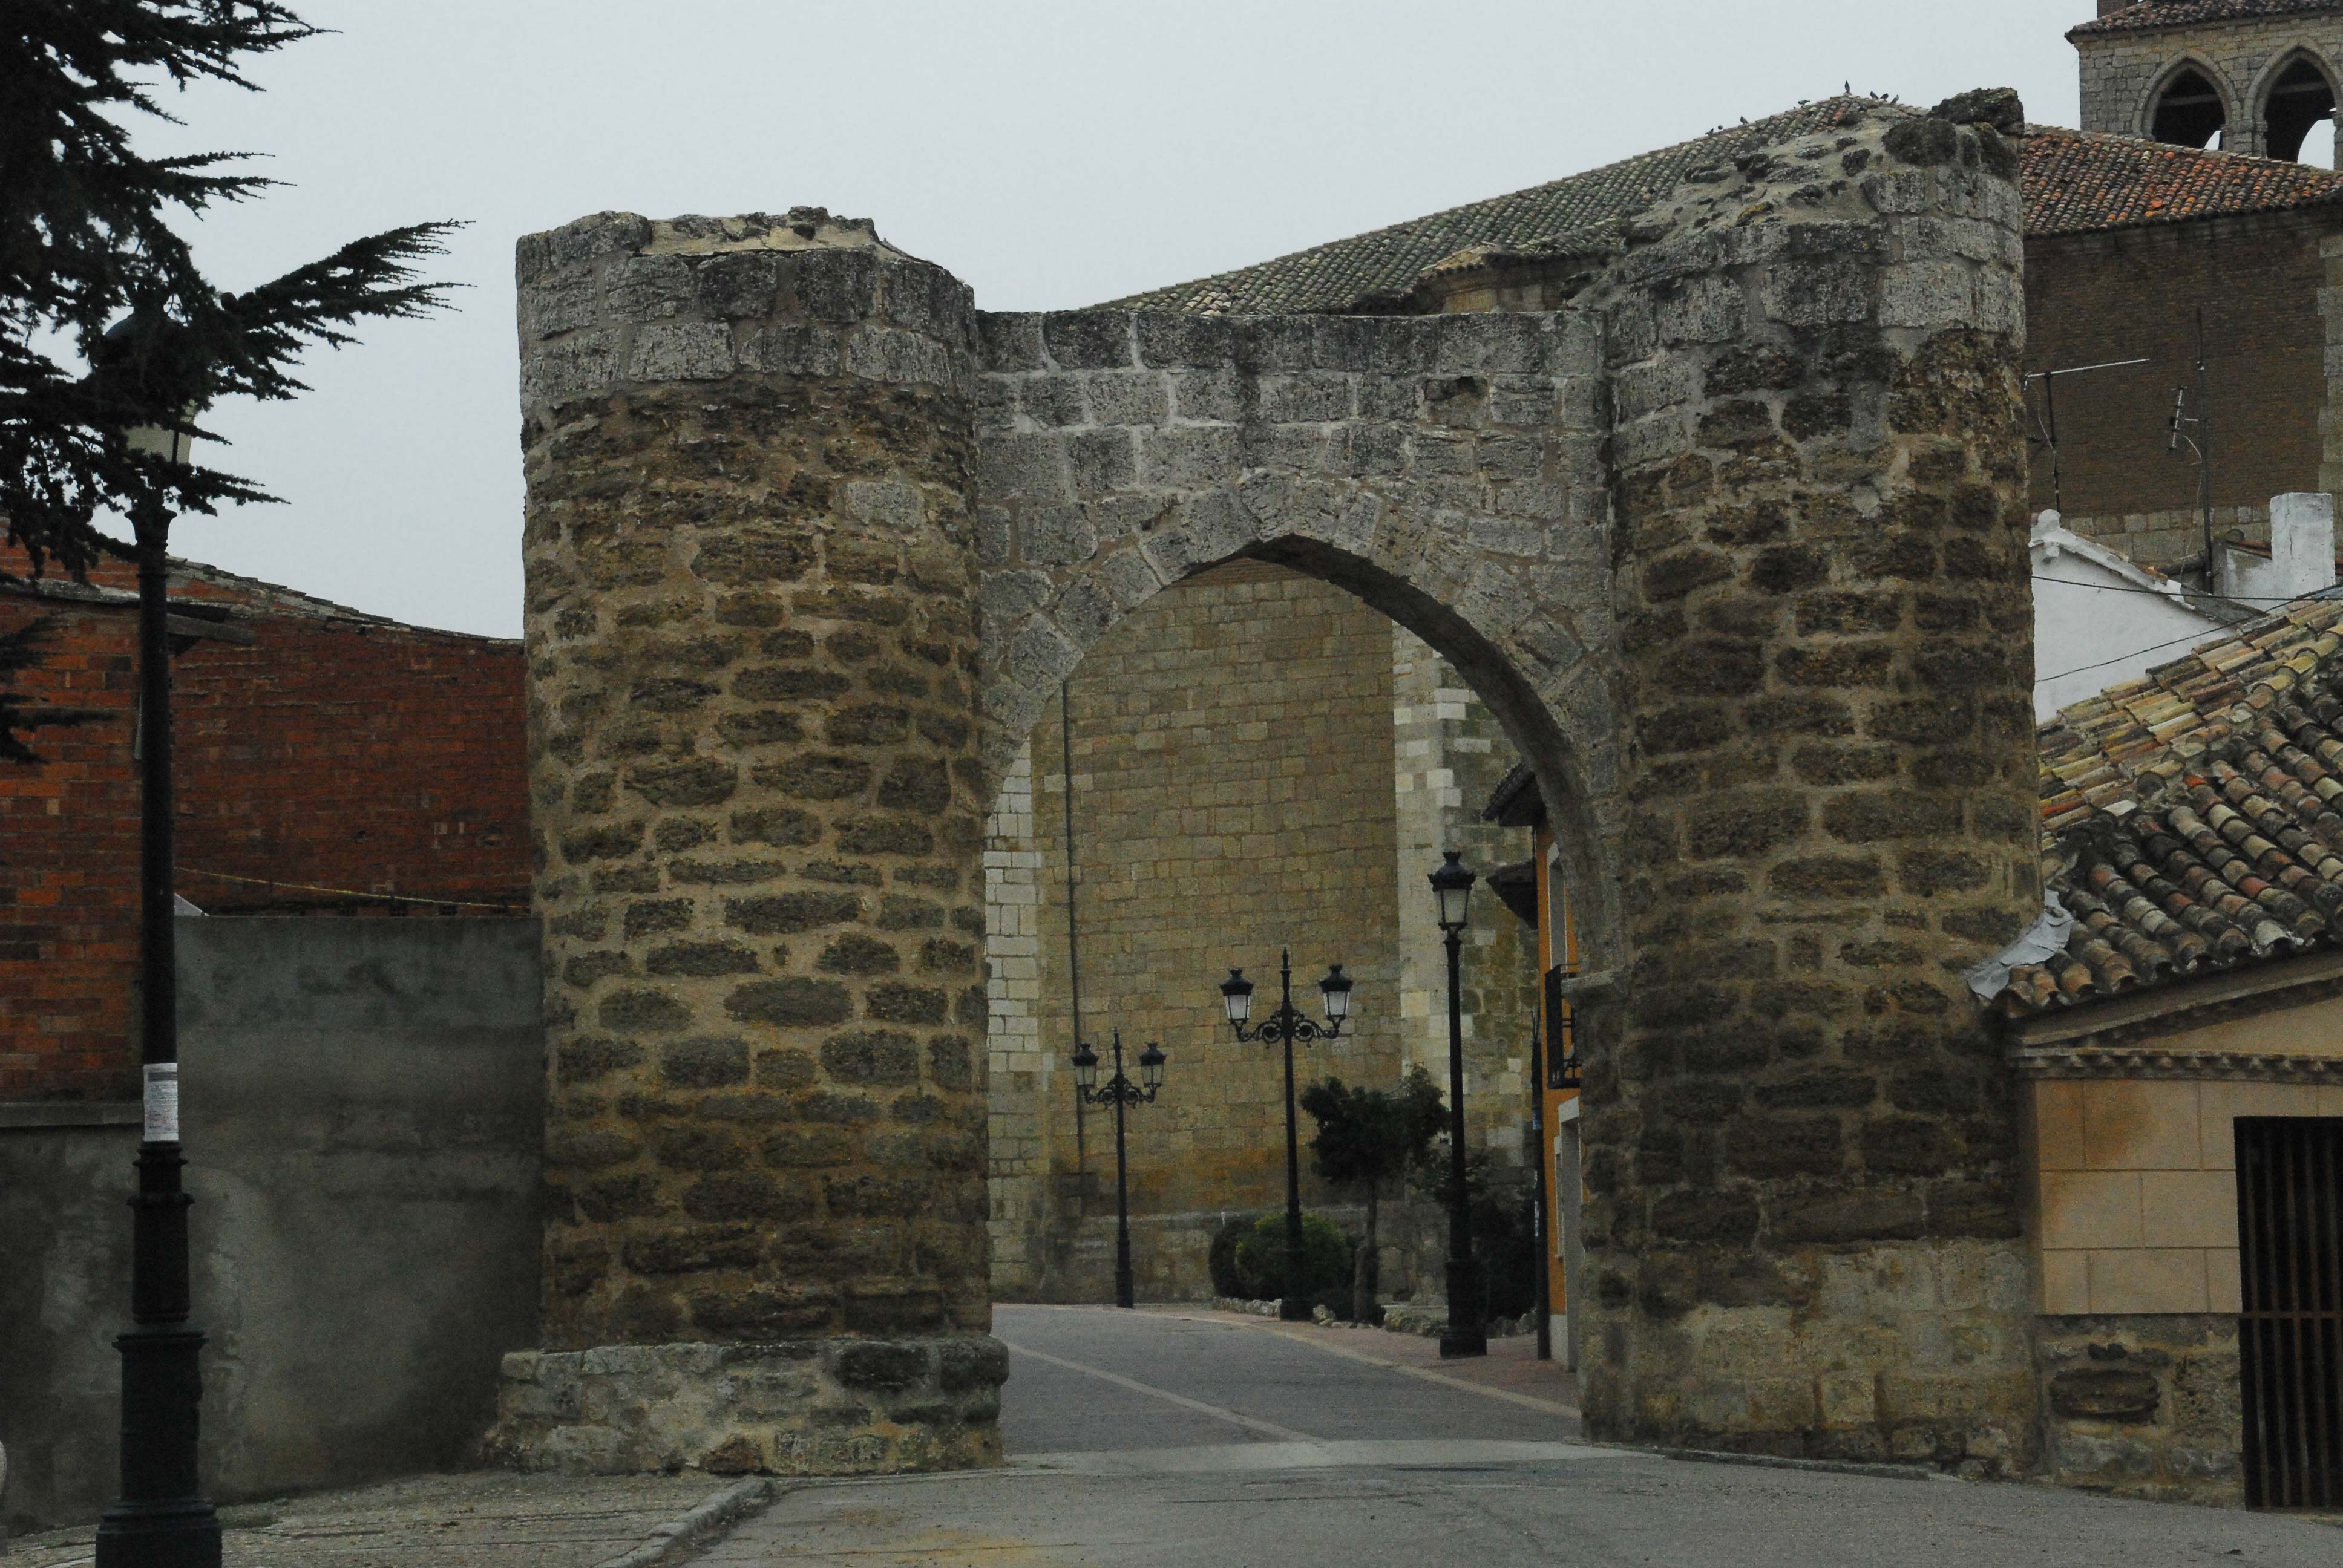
1366	1138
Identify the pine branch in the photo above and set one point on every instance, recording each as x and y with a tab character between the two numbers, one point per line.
21	651
88	247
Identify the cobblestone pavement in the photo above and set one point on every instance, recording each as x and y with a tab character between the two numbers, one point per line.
487	1520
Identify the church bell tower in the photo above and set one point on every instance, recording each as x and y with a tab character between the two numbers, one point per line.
2252	76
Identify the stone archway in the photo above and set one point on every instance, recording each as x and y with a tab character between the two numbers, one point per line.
1734	546
1445	470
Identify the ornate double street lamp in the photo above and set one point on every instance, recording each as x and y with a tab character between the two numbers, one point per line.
1286	1026
1466	1334
1121	1093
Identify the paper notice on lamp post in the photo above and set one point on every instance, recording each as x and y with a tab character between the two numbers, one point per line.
162	1102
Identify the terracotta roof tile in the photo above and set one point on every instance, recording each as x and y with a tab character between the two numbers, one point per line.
1387	262
2074	182
2078	181
2193	820
2155	14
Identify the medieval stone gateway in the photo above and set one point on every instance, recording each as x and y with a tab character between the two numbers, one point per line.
1733	544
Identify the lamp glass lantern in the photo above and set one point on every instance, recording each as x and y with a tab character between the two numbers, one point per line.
1086	1063
1236	995
1337	988
1451	884
174	446
1150	1068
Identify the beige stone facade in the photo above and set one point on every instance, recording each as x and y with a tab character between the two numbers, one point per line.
1260	760
2129	1131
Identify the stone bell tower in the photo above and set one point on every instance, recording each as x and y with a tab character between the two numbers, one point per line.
2251	77
753	732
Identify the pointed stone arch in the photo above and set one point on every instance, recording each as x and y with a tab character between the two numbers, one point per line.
2174	109
1446	471
2296	90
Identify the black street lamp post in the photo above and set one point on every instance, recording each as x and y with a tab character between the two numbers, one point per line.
161	1519
1121	1093
1467	1333
1286	1026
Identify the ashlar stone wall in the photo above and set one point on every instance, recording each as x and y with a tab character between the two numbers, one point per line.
1803	1217
753	744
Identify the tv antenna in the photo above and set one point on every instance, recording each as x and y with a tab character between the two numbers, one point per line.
2200	444
2048	423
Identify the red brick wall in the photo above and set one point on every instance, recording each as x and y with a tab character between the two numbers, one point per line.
338	753
374	759
69	873
2129	293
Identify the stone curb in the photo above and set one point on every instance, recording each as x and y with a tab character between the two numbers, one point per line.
1823	1466
669	1542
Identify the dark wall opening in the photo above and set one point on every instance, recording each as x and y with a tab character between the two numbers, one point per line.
2301	98
2188	112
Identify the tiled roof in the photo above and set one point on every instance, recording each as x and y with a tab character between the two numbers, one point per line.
2154	14
2078	181
1387	262
2193	819
2074	182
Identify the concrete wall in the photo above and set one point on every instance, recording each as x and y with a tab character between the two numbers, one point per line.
2098	621
363	1116
331	750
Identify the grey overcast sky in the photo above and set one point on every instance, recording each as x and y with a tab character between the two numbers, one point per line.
1050	154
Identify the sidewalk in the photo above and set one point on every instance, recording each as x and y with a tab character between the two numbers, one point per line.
491	1519
1510	1369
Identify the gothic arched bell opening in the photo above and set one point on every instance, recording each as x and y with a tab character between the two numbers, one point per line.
2188	112
2299	101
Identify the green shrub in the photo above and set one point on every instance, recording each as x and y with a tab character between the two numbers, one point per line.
1226	1280
1325	1258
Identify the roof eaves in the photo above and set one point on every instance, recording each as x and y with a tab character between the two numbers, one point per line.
2160	15
1515	801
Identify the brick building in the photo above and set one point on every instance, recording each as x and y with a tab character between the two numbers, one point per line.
328	762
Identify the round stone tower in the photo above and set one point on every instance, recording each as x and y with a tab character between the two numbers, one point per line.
1800	1167
753	741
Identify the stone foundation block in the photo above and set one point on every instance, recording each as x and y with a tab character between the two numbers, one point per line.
805	1407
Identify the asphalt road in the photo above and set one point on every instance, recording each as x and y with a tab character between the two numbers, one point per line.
1191	1442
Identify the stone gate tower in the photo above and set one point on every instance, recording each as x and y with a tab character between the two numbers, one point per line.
1729	534
753	733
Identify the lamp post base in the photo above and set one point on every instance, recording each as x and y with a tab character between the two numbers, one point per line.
175	1534
1293	1310
1467	1333
1455	1342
